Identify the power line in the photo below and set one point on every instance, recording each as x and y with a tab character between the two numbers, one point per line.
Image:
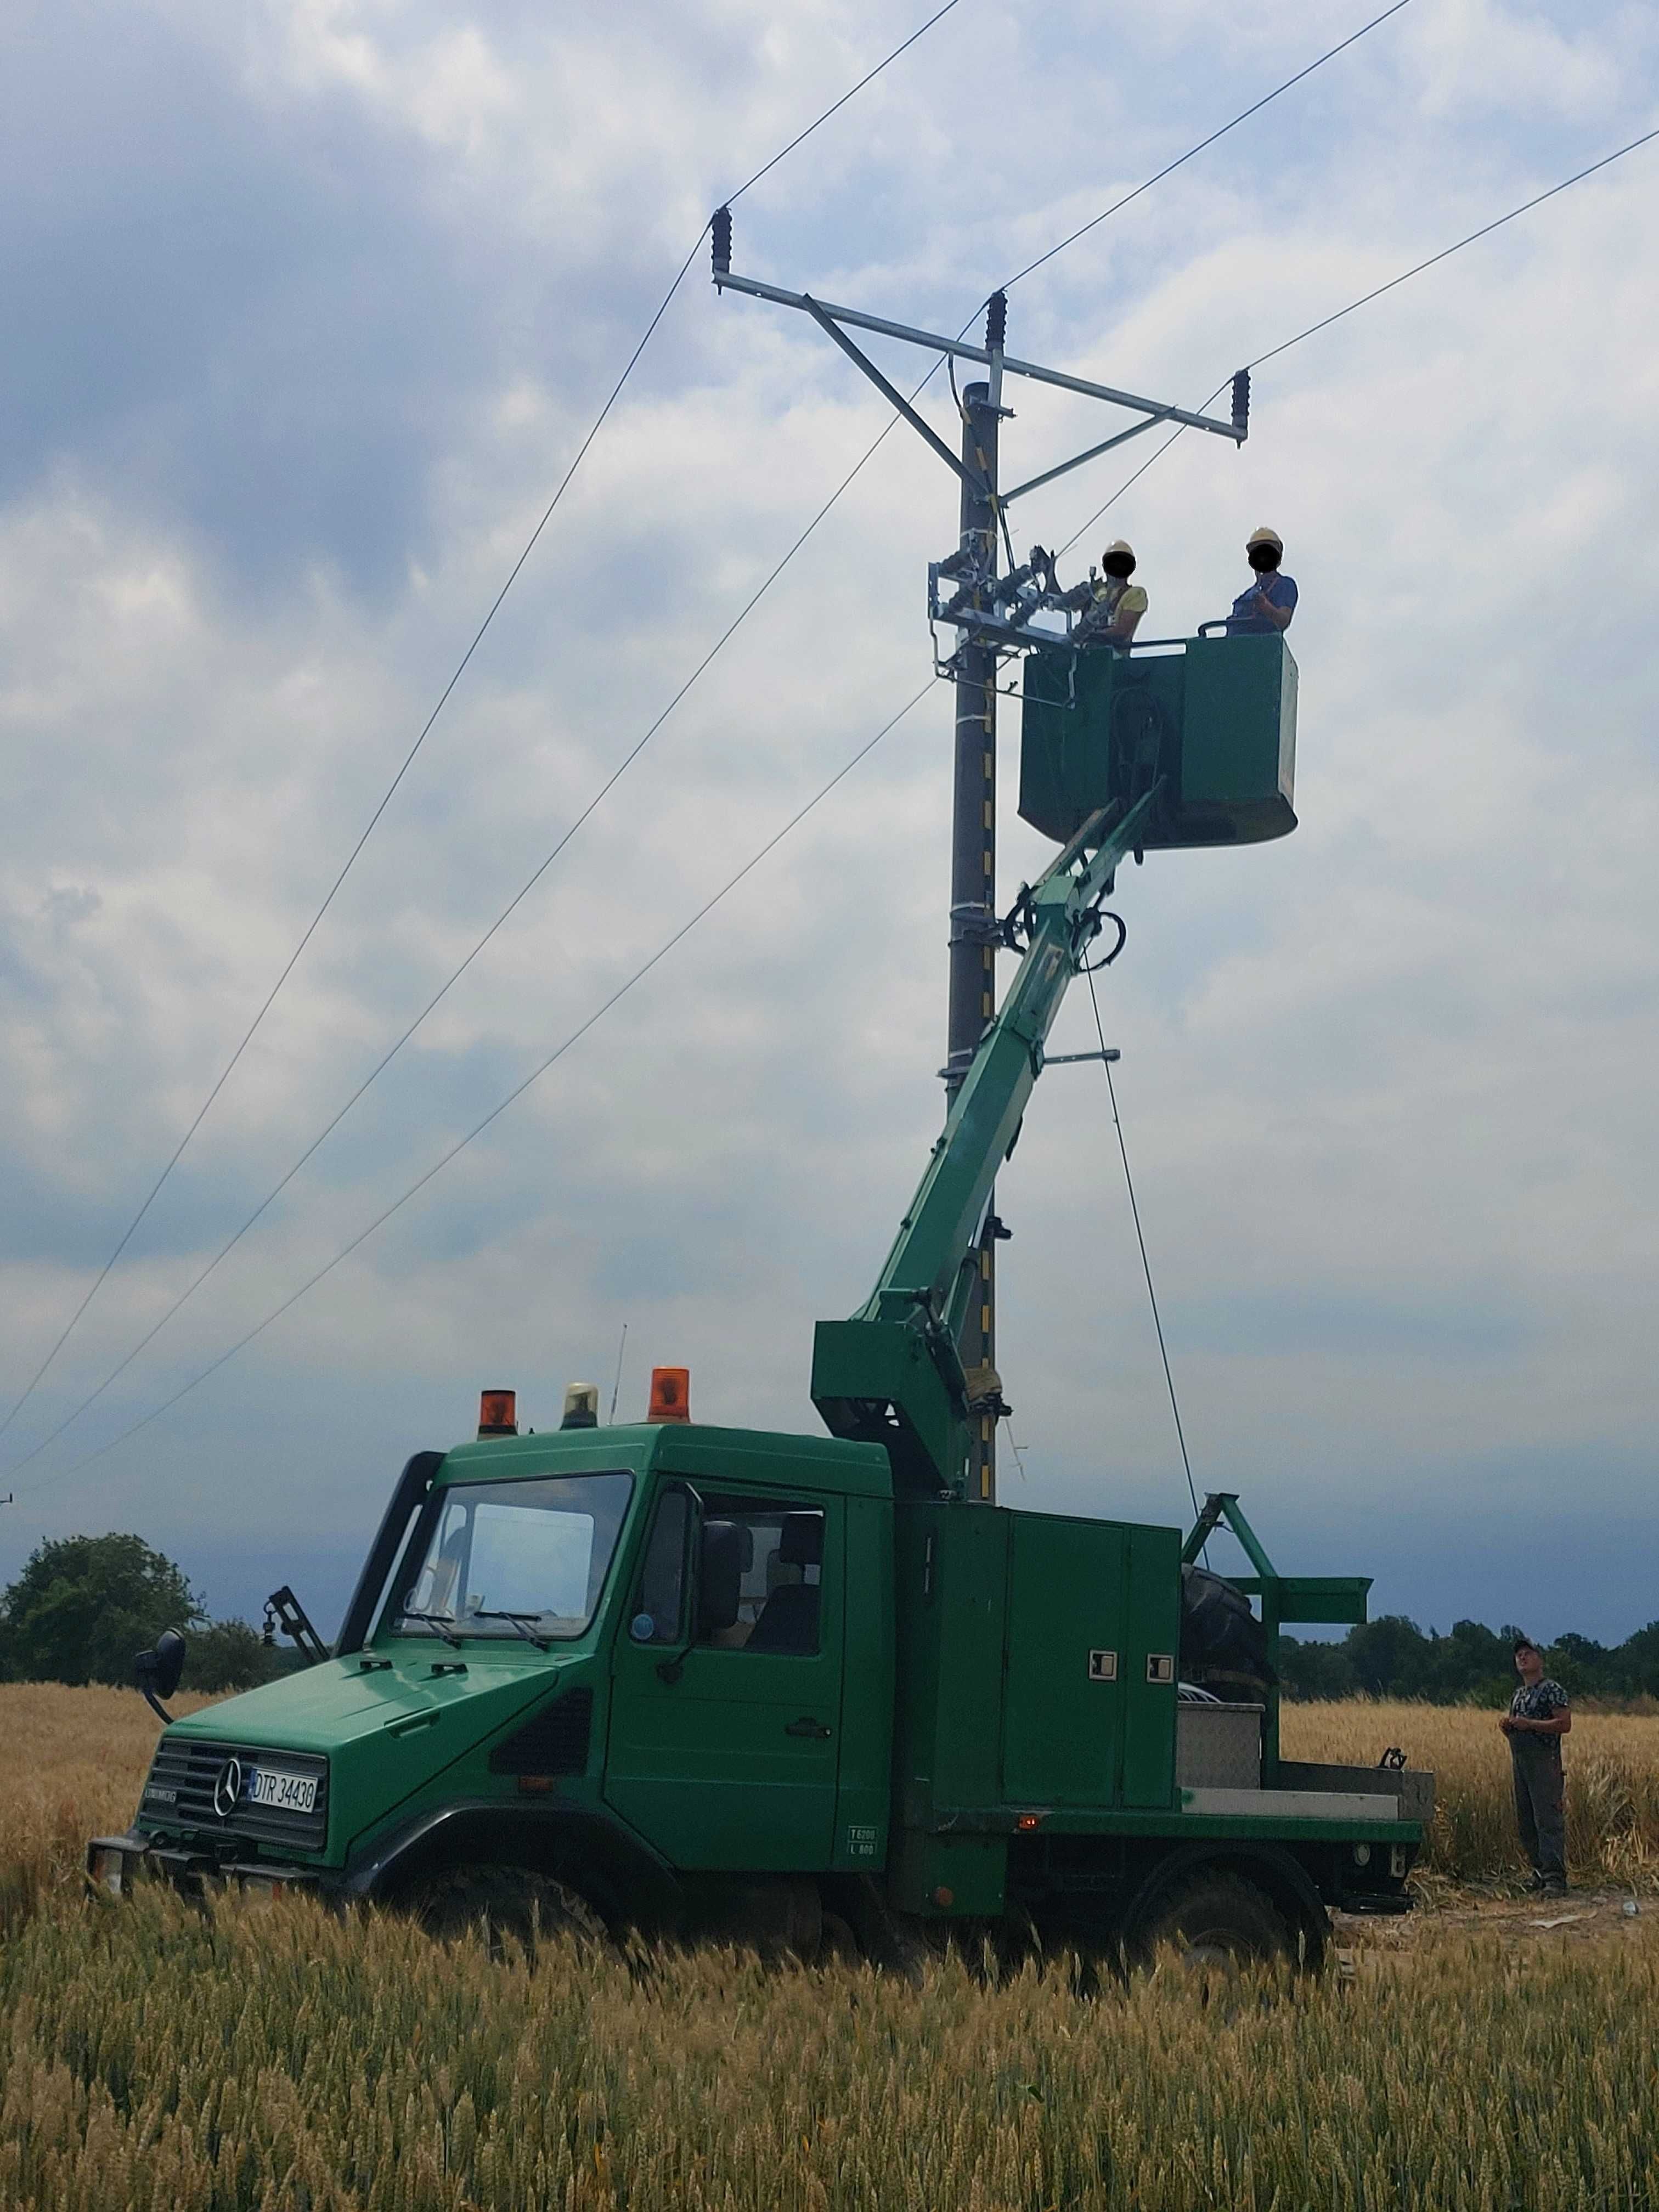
1146	1265
1484	231
1169	169
517	1092
768	168
225	1250
443	699
1365	300
517	900
351	858
1180	161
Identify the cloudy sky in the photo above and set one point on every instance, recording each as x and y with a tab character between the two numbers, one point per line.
308	309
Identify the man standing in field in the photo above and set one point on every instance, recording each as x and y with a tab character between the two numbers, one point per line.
1538	1717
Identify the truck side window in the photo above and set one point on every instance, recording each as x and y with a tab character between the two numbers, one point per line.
782	1567
661	1593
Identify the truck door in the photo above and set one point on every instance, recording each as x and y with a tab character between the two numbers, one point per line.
724	1734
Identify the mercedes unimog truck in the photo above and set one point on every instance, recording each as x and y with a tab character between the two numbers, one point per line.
676	1677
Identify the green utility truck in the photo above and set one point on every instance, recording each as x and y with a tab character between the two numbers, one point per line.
681	1677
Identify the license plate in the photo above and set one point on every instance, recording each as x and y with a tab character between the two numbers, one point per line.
289	1793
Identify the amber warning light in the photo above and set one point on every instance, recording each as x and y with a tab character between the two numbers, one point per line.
670	1395
498	1413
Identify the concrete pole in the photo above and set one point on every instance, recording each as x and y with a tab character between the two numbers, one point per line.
973	882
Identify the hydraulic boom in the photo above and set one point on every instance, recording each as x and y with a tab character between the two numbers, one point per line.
892	1374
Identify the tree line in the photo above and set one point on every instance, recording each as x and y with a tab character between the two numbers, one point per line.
1391	1657
84	1605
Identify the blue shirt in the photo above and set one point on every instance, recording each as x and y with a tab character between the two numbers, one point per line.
1248	621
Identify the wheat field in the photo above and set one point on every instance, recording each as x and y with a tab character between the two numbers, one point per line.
77	1758
271	2058
1613	1784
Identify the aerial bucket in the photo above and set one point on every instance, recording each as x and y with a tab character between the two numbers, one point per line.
1214	717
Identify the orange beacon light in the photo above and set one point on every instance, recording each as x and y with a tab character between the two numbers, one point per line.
498	1413
670	1395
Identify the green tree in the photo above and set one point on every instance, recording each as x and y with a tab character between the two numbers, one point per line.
84	1605
1635	1665
229	1655
1315	1670
1390	1657
1579	1664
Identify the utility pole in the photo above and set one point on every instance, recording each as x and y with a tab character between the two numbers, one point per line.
973	934
993	613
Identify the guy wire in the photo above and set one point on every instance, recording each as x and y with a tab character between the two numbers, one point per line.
1145	1264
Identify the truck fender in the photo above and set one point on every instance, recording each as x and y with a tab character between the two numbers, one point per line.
619	1875
1270	1866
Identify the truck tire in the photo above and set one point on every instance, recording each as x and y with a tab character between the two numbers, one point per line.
838	1945
501	1904
1216	1920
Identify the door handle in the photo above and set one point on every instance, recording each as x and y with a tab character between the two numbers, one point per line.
806	1725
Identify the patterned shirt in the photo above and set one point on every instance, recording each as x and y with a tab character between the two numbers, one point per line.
1538	1701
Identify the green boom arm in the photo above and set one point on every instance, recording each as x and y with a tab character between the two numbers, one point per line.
892	1375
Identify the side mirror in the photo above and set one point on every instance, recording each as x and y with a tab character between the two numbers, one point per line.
720	1580
157	1672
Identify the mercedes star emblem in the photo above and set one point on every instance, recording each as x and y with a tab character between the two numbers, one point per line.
228	1788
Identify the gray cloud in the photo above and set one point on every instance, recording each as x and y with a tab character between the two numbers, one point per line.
312	310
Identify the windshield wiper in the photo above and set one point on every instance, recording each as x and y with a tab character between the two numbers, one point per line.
519	1621
432	1620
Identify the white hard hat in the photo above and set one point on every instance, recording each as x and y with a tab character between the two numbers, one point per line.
1119	545
1265	537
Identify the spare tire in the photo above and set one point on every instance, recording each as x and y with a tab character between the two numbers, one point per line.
1224	1647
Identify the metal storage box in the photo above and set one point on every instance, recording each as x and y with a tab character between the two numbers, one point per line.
1215	718
1218	1747
1036	1663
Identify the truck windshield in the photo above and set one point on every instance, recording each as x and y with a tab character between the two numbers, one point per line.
537	1550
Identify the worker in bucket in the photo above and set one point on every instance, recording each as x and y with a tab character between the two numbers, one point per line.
1270	601
1112	605
1538	1717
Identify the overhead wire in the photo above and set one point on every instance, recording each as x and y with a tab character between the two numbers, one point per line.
387	797
1272	353
224	1251
1145	185
497	1111
85	1403
1365	300
766	169
1180	159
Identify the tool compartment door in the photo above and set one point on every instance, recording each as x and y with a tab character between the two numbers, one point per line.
1063	1683
1152	1662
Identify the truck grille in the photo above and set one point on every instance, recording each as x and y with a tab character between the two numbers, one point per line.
189	1780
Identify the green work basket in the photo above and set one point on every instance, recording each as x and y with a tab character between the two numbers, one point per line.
1213	717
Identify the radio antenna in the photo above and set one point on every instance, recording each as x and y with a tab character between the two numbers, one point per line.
616	1387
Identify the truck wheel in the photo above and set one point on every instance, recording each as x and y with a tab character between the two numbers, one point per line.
838	1945
503	1903
1216	1920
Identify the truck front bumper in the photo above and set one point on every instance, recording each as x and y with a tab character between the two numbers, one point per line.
113	1862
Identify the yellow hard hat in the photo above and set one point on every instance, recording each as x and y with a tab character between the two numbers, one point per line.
1265	537
1119	545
